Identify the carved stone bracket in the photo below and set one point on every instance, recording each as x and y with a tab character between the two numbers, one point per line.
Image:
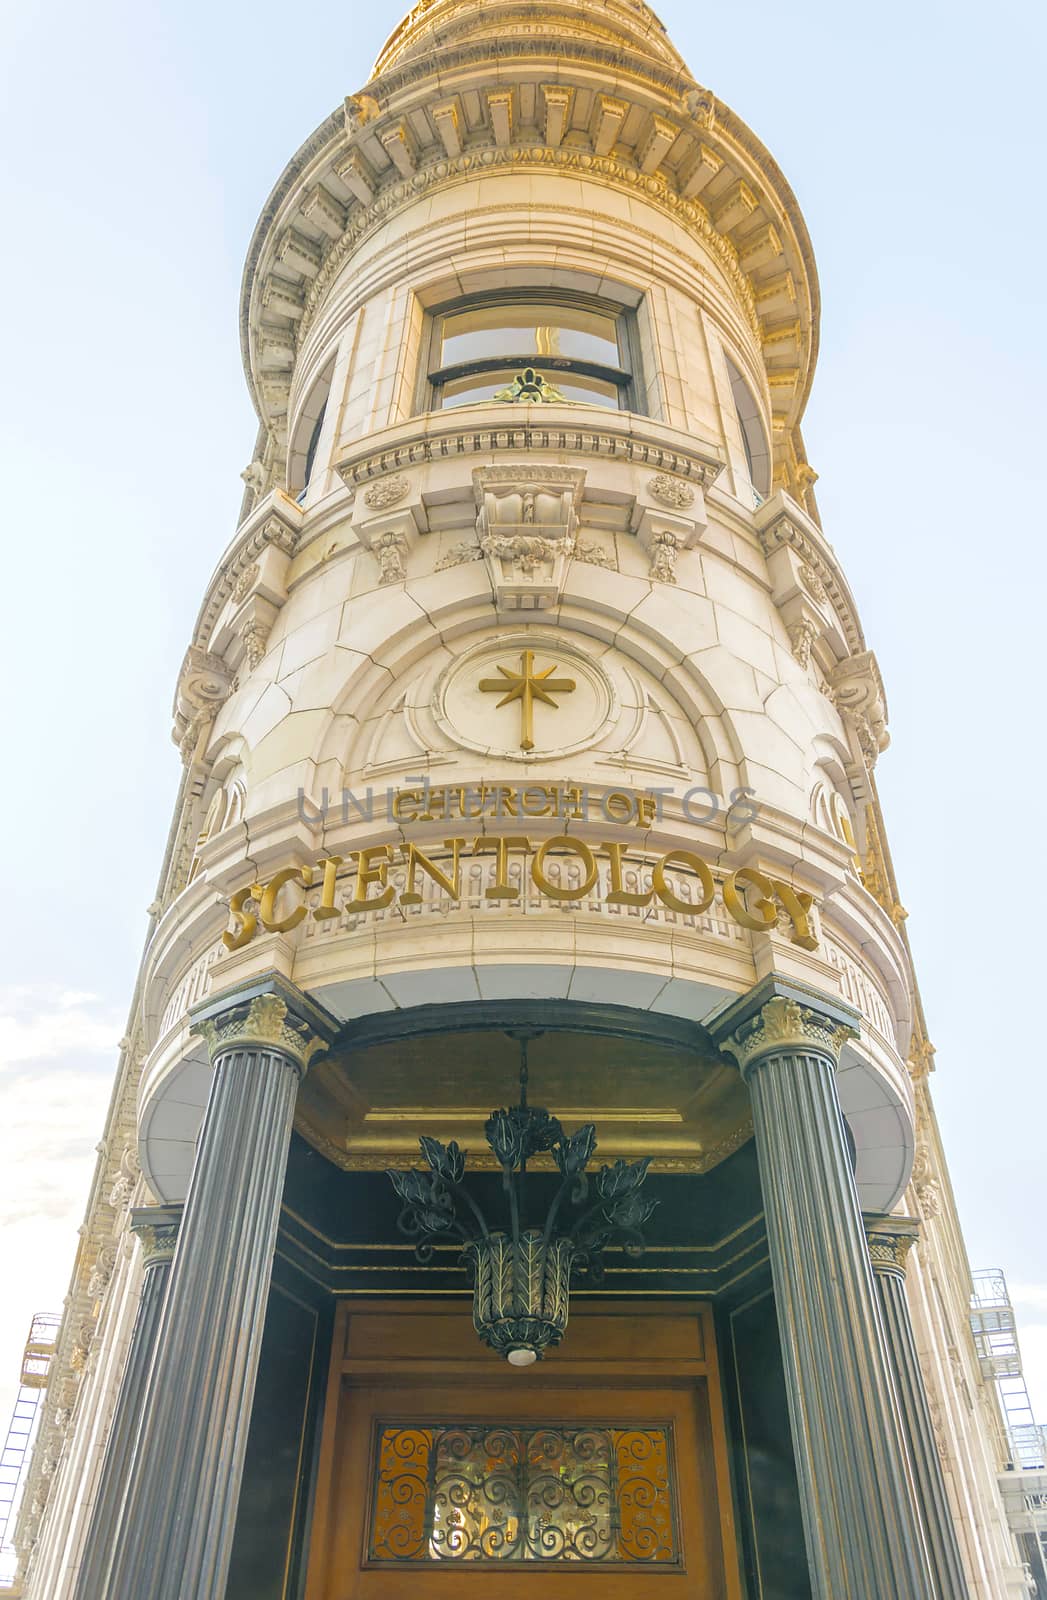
857	692
664	533
810	593
526	521
203	685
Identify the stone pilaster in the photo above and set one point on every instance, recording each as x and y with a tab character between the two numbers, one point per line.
890	1240
157	1230
861	1524
176	1529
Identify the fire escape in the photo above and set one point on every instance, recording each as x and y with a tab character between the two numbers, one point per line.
1023	1487
36	1362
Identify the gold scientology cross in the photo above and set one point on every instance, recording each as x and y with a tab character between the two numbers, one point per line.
527	686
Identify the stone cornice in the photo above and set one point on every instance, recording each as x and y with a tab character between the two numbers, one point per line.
395	140
570	429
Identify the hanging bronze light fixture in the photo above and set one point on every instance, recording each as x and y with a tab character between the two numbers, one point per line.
522	1277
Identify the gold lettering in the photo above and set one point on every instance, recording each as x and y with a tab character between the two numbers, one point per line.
669	897
796	905
267	895
562	842
543	803
450	885
619	896
646	810
501	888
436	810
327	907
246	922
734	899
405	797
373	867
504	804
619	806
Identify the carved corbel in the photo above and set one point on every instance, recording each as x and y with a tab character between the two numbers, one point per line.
388	517
856	690
670	517
526	522
203	686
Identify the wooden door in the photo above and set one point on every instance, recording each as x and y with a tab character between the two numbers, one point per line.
599	1474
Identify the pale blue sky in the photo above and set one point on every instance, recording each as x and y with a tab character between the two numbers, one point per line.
141	142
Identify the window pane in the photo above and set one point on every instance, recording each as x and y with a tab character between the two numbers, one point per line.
573	386
529	330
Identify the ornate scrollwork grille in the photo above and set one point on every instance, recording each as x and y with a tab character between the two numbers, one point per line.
476	1492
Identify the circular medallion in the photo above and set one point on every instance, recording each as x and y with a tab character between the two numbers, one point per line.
525	697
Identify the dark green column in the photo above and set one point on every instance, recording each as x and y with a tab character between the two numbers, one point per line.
890	1239
176	1529
861	1524
157	1230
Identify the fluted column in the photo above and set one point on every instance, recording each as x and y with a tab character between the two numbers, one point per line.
176	1529
862	1528
890	1239
157	1230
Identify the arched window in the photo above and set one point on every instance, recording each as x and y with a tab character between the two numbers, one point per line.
309	425
754	439
533	347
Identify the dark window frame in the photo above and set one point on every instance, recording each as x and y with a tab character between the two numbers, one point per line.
626	377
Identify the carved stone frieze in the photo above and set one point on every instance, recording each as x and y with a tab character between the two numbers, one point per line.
459	555
594	555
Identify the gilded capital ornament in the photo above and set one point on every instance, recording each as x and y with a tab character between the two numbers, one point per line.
262	1025
156	1227
890	1240
782	1026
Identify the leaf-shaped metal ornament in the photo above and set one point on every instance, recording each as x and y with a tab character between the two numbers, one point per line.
573	1153
448	1160
505	1137
622	1178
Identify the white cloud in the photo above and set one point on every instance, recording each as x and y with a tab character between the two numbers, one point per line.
39	1024
57	1061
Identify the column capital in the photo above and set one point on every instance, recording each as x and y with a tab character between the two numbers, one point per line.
779	1016
157	1228
269	1014
890	1240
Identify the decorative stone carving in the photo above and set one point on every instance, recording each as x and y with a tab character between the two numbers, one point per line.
812	583
593	555
802	638
256	478
255	636
785	1025
856	690
389	549
263	1024
101	1273
458	555
531	388
386	492
671	491
245	582
526	520
360	109
928	1189
665	548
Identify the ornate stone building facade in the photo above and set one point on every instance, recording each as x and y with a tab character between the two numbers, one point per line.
529	705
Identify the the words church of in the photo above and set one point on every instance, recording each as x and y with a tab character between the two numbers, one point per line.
528	727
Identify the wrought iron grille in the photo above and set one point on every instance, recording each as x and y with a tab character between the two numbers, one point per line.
475	1492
